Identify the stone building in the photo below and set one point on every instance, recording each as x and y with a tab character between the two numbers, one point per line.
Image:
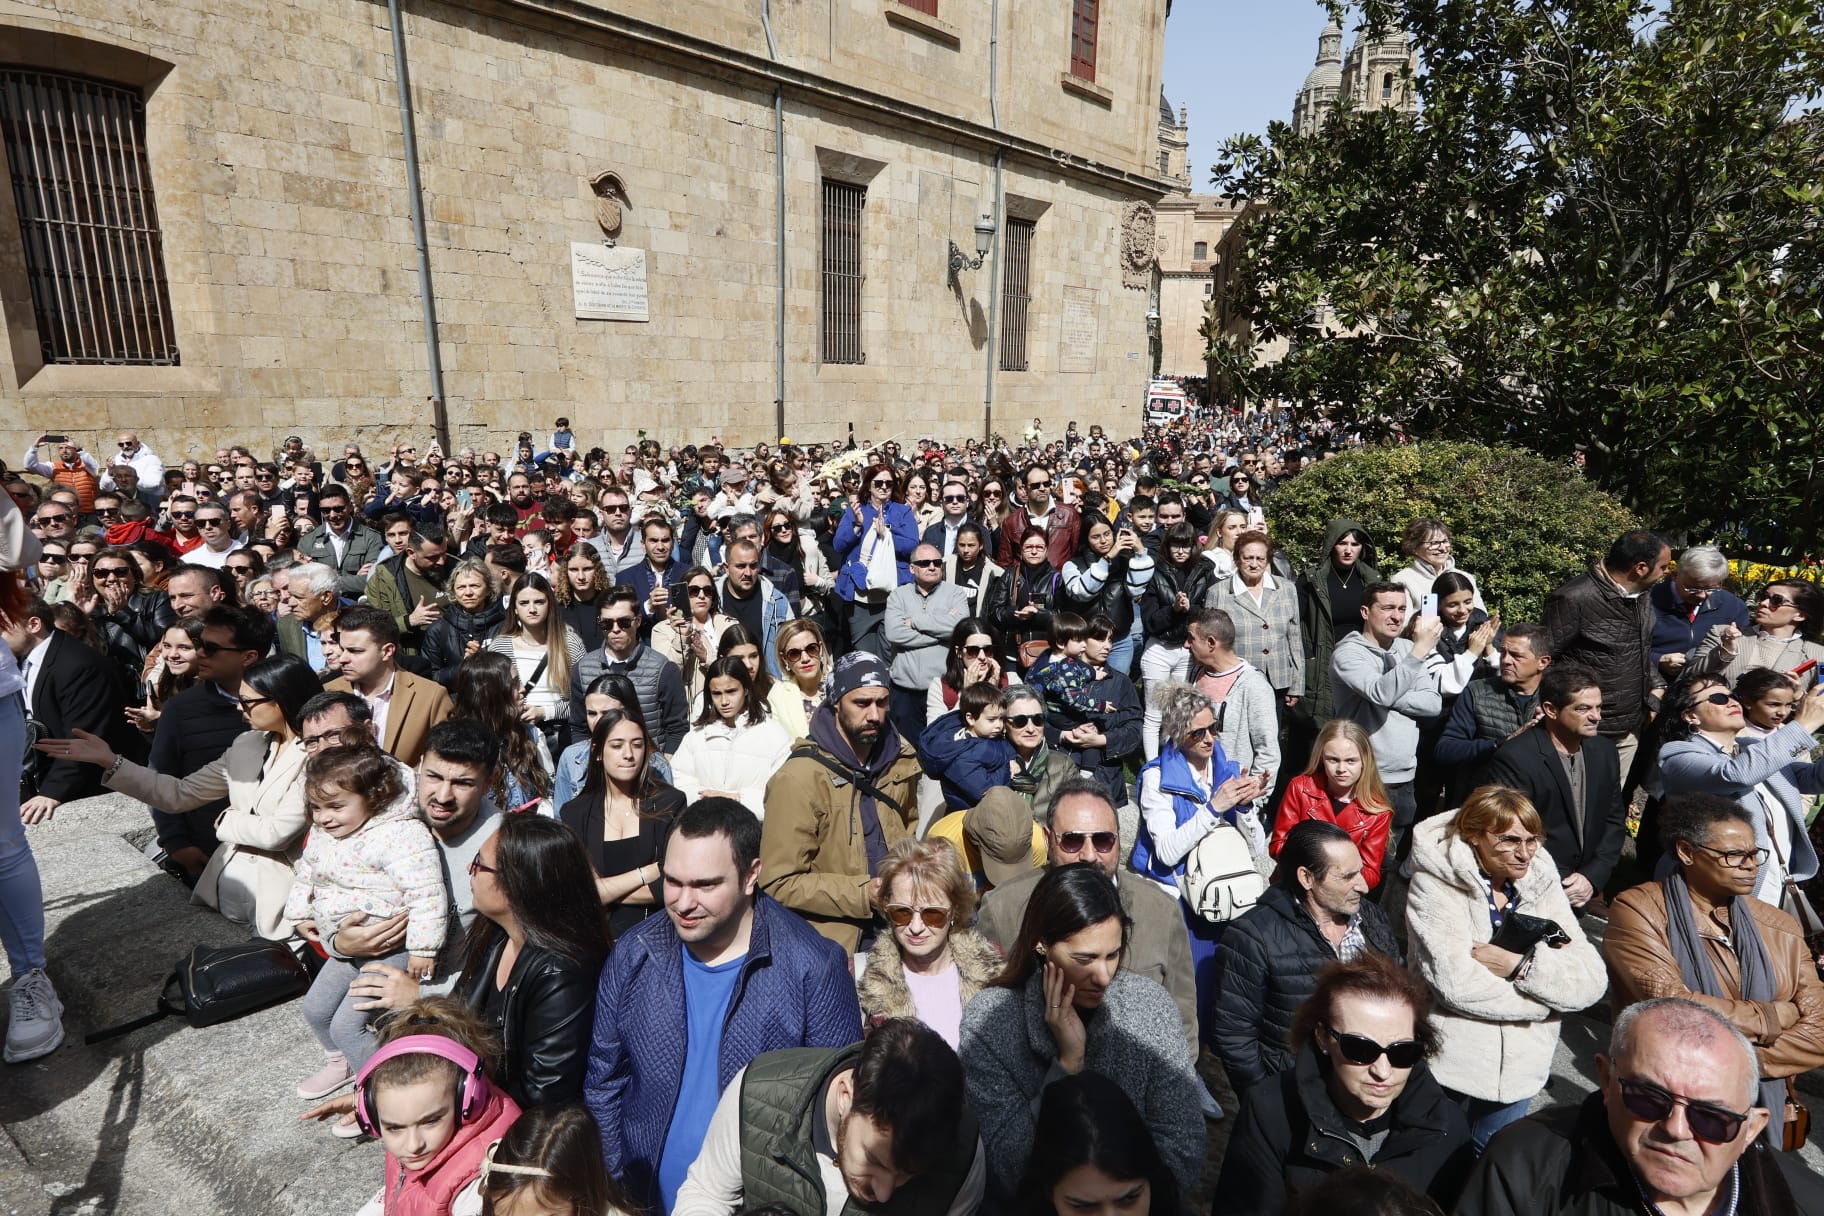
210	232
1376	74
1191	229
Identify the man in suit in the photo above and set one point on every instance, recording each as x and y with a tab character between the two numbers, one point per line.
68	687
954	498
405	706
342	542
1572	774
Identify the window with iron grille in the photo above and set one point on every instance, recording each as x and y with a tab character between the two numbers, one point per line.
82	185
1083	39
1016	294
928	7
843	204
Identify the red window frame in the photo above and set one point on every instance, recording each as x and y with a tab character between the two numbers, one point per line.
1083	30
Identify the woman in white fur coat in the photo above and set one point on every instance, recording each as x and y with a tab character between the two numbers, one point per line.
1498	1011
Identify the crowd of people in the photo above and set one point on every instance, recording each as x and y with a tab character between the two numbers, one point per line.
814	829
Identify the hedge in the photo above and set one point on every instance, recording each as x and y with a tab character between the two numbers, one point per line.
1520	523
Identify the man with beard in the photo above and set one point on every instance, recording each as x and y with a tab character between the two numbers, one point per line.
688	999
848	793
409	586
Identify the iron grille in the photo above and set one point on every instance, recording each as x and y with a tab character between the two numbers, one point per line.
843	204
83	188
1016	294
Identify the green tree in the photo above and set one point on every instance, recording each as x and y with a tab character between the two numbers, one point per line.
1601	230
1520	523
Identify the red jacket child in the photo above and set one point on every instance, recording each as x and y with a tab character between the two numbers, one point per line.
1306	798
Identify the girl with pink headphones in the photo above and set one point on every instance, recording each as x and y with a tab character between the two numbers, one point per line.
426	1096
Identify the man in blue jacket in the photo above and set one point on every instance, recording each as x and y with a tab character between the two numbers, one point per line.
688	999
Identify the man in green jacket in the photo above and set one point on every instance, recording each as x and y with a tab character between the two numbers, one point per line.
879	1126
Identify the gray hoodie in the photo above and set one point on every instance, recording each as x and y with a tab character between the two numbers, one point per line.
1385	692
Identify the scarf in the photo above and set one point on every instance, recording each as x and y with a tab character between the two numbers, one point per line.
863	810
1700	977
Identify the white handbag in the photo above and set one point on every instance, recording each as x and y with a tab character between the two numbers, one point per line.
1221	878
883	568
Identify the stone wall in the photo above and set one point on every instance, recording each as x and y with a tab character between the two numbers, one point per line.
277	157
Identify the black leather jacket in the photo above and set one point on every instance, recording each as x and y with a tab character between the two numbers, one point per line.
133	631
546	1014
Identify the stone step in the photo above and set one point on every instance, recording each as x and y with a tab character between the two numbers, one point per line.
166	1119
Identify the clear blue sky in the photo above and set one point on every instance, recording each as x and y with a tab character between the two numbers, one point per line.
1237	64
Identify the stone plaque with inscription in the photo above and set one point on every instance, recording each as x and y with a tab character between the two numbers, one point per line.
609	284
1077	330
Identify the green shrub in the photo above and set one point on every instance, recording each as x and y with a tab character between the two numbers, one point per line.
1520	523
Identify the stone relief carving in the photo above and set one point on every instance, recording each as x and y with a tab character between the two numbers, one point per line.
610	202
1137	244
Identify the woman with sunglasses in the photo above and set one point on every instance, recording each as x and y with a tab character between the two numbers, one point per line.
693	623
931	962
1362	1042
1787	634
1769	778
804	659
1064	1005
131	618
991	507
880	518
1038	769
1700	933
262	777
1499	1010
971	661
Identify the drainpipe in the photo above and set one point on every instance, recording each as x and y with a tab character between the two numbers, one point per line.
440	418
1000	220
772	49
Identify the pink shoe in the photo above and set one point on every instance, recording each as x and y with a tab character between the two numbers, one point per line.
328	1079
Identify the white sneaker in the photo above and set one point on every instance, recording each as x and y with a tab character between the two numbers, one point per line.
36	1028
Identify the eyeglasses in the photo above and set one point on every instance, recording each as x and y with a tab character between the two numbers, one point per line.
1715	698
1025	719
1737	859
107	510
976	652
239	568
110	572
214	521
54	519
1516	844
810	650
477	866
1039	485
126	446
926	563
1360	1049
319	739
619	624
882	481
616	508
956	498
1197	734
991	493
784	528
900	916
700	591
1073	842
246	703
1709	1122
52	559
214	648
192	514
1774	599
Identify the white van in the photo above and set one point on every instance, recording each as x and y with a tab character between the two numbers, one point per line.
1166	403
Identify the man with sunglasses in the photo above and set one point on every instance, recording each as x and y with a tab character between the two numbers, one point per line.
343	542
1360	1093
1060	522
1081	826
1674	1127
954	499
656	679
55	520
217	531
920	617
148	470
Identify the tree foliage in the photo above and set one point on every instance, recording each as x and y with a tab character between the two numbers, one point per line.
1520	523
1601	230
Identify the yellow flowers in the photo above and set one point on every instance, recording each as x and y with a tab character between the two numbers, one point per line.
1752	576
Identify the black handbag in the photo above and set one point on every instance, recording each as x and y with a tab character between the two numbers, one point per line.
217	984
1520	933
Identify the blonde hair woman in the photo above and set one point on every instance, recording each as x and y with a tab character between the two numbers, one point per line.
930	963
804	661
1341	785
1498	1010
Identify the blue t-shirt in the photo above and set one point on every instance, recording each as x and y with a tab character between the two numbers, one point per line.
707	991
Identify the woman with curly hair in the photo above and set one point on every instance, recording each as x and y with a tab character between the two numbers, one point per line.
931	962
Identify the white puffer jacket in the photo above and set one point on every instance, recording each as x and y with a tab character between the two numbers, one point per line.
1497	1037
739	760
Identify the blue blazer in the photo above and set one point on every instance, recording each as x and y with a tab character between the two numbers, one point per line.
852	577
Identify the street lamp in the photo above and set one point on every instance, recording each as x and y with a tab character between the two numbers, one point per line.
984	239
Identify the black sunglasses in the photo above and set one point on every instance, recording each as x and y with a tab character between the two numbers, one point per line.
1025	719
1360	1049
1073	842
926	563
1650	1104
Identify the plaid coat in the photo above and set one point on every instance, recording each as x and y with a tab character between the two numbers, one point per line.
1266	634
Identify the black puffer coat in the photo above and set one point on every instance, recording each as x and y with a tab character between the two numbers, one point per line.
1266	968
1159	605
446	640
1595	624
1290	1136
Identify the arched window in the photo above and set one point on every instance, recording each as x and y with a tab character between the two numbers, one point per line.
76	154
1387	87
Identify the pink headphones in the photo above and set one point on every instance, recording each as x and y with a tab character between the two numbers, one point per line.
471	1086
